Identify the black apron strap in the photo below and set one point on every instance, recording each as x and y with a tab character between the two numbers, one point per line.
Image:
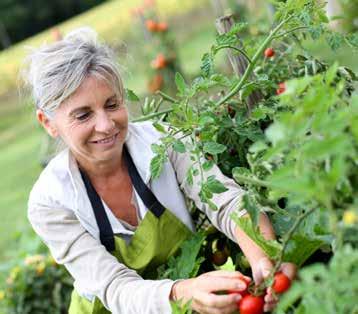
105	229
148	198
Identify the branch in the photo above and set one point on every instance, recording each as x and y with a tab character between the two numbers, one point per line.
152	115
234	48
251	66
289	31
166	96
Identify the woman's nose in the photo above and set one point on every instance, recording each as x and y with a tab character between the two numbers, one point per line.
104	123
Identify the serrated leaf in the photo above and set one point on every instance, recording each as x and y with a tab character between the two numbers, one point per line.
214	148
180	83
207	165
252	208
270	247
300	248
207	64
189	176
215	186
239	172
179	146
186	263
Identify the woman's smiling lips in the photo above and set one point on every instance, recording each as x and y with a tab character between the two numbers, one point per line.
108	141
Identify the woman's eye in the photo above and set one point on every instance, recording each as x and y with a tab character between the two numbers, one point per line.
113	106
82	116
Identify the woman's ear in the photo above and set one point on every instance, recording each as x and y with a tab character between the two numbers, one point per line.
46	123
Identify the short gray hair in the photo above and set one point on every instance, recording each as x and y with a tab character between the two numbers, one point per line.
55	71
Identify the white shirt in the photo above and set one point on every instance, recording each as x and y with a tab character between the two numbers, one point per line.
61	213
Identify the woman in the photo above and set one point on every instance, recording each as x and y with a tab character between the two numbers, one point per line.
95	206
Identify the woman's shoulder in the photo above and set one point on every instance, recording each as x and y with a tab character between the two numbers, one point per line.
54	182
145	130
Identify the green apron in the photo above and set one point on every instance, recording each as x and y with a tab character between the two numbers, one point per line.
157	237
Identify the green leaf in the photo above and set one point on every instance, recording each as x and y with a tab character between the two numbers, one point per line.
186	263
331	73
214	148
156	166
270	247
335	40
275	133
208	164
159	127
189	176
300	247
252	207
258	147
179	146
241	172
180	83
215	186
130	95
207	64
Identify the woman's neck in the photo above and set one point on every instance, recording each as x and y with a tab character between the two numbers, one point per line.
103	171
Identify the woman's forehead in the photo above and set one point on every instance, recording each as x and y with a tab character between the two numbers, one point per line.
92	91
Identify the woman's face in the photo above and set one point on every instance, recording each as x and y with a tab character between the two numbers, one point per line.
93	122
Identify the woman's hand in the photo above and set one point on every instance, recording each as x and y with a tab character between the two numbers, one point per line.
201	291
262	269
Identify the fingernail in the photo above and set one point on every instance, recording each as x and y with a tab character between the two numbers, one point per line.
238	297
241	285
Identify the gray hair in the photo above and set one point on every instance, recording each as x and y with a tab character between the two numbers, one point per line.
56	70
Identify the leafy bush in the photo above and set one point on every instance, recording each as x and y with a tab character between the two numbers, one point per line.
37	285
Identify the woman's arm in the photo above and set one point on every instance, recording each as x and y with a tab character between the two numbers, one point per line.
96	271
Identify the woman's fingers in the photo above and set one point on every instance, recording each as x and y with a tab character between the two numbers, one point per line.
289	270
226	273
210	284
217	301
210	303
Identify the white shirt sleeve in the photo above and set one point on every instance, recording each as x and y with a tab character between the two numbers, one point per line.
96	271
227	202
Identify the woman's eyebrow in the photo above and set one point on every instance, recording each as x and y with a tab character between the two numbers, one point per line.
84	108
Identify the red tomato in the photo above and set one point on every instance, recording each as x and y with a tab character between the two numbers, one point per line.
269	52
162	27
281	88
281	283
151	25
251	304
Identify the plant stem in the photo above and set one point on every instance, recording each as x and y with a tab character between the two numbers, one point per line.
152	115
166	96
288	237
251	66
252	180
235	48
290	31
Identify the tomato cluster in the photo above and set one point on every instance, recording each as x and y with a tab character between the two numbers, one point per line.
154	26
254	304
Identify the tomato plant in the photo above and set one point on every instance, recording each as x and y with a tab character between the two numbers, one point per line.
294	151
